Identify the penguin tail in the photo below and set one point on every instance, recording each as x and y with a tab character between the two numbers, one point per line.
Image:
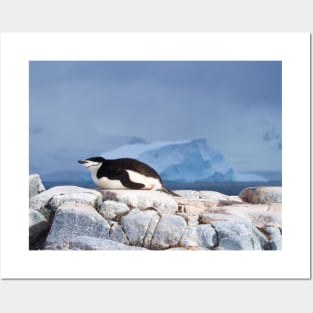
169	192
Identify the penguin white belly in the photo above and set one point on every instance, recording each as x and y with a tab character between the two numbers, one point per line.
107	183
150	183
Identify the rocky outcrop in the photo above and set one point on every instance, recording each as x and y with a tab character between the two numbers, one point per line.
48	201
38	225
113	210
199	236
35	185
135	225
91	243
74	218
43	205
142	199
261	194
239	236
168	232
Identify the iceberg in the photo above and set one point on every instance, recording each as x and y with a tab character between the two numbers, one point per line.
178	161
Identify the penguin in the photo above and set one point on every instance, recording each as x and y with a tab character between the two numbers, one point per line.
125	173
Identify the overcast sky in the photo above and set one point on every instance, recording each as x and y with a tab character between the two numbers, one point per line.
75	106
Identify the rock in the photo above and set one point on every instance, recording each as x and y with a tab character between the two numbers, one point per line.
212	195
275	207
113	210
35	185
73	220
185	249
275	238
168	232
265	219
190	194
219	198
195	206
241	209
92	199
37	225
41	202
261	215
89	243
135	225
238	236
206	218
235	199
199	236
154	220
150	231
35	218
143	199
117	233
247	208
191	219
261	194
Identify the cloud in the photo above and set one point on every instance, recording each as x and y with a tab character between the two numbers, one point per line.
78	105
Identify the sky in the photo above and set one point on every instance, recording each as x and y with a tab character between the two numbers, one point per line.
81	109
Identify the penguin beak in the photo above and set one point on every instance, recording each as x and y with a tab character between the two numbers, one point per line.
87	163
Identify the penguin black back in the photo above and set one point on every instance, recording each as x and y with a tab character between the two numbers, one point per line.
128	164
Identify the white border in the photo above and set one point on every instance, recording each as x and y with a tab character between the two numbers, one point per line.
18	49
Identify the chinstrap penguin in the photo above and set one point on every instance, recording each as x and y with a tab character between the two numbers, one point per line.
124	173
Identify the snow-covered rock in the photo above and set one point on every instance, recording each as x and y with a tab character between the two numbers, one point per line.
183	161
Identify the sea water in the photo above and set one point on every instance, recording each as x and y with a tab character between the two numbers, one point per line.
228	188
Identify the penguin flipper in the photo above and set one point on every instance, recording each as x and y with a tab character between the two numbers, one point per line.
123	176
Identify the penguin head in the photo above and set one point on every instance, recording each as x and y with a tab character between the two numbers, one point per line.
93	164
